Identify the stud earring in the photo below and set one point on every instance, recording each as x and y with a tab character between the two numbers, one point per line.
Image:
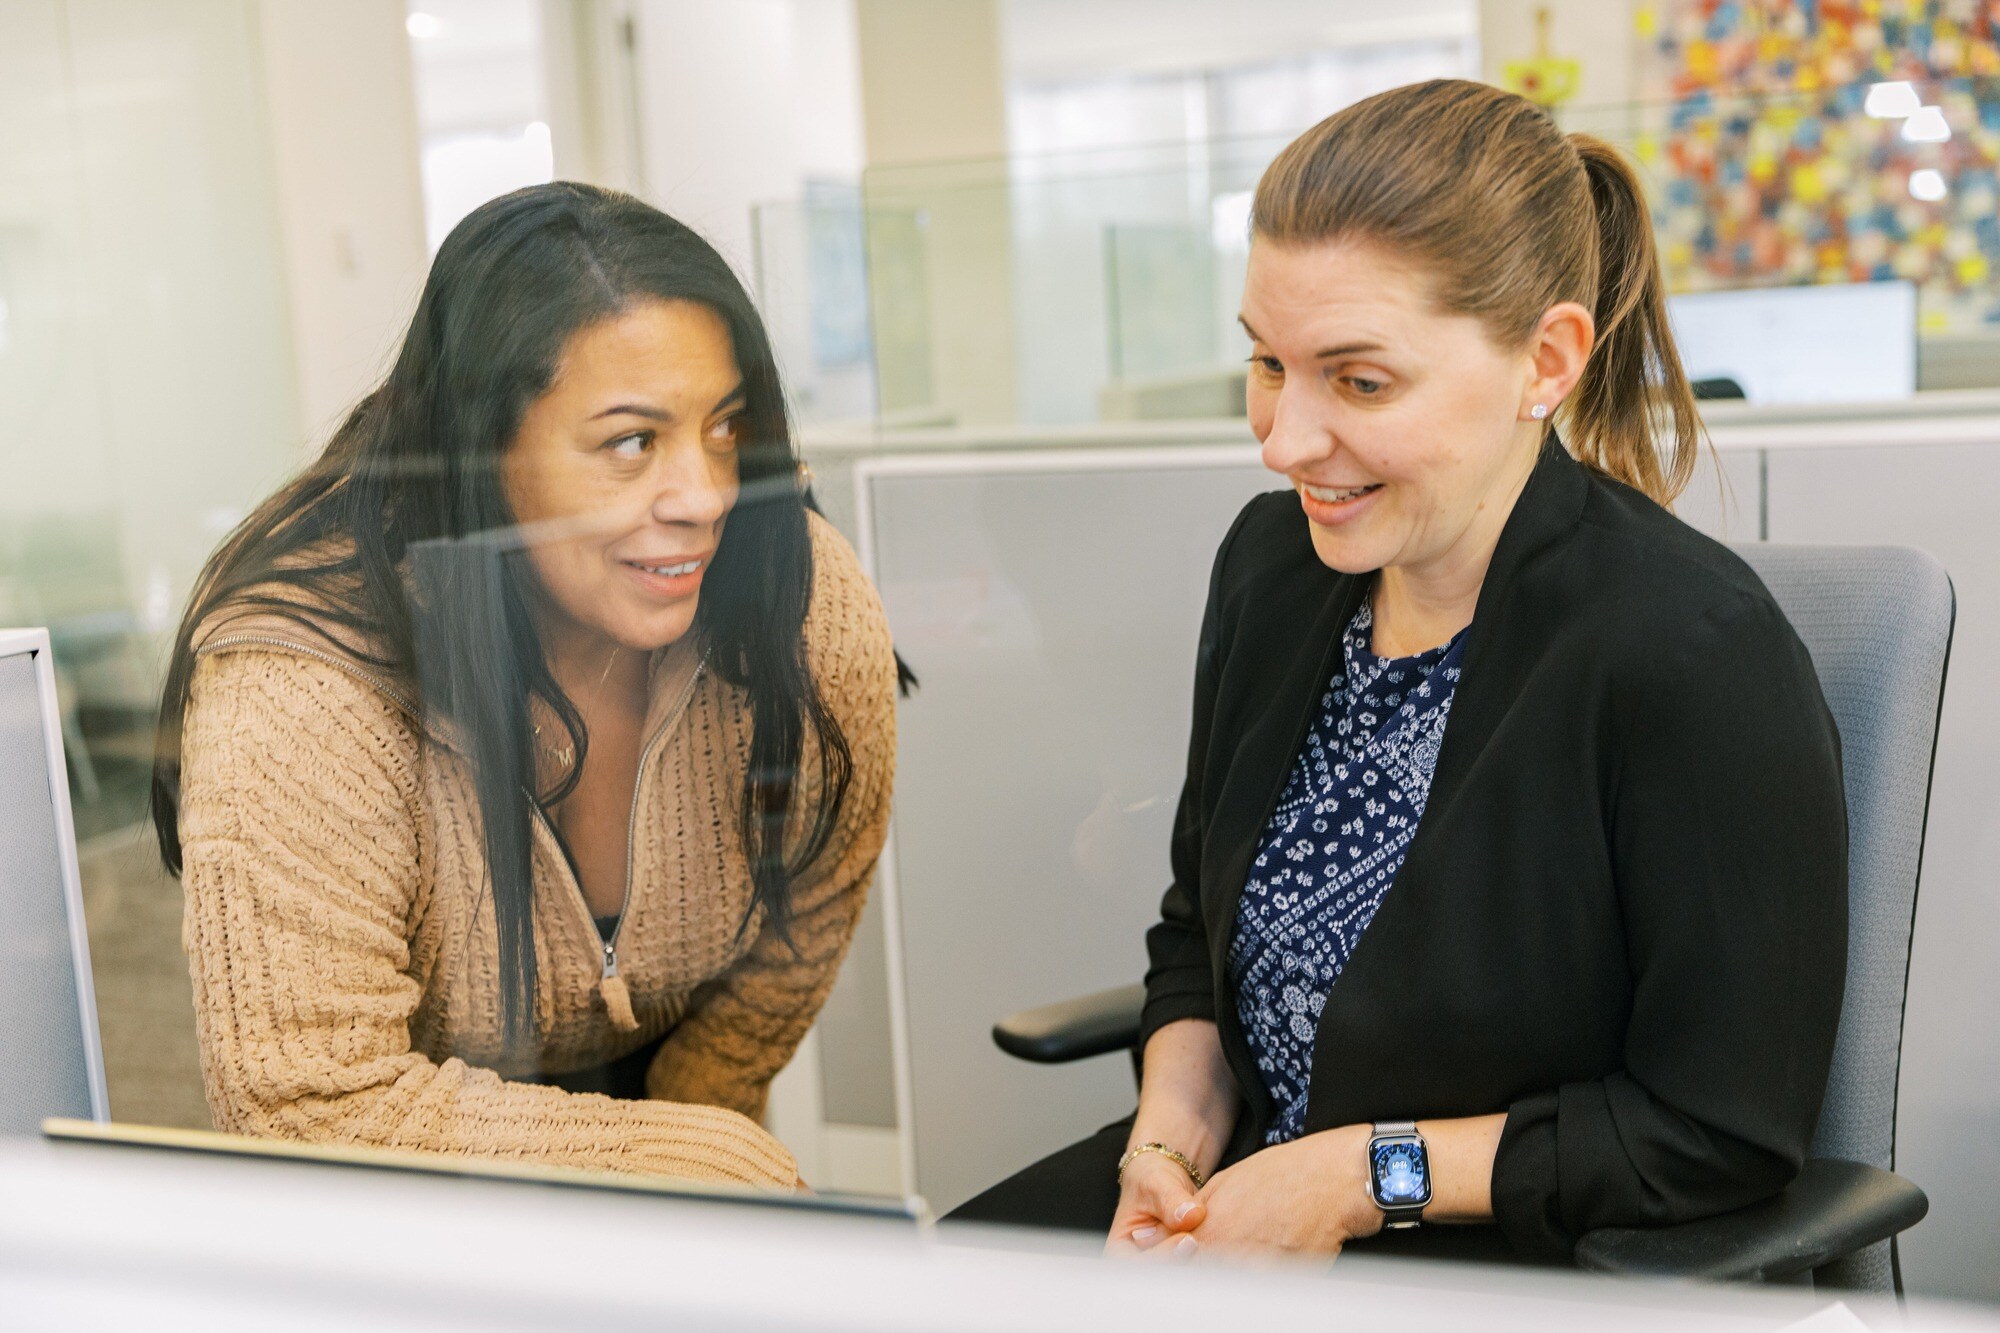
1539	411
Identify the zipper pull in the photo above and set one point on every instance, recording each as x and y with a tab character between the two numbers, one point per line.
617	996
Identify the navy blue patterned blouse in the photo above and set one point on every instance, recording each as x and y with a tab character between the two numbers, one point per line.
1332	849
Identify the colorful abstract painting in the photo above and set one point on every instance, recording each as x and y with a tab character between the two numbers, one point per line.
1829	141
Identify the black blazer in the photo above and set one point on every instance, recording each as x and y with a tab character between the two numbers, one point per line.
1623	919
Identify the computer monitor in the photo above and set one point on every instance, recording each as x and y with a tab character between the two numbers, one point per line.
367	1157
1838	342
48	1039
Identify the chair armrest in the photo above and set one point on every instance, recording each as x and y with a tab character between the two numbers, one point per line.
1832	1210
1076	1029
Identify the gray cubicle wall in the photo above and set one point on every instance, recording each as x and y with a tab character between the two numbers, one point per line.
1944	498
1050	602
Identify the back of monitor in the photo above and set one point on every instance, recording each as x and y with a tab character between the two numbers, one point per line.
49	1049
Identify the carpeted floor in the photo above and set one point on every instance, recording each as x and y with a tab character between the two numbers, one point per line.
145	1005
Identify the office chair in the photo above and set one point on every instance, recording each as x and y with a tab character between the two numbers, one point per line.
49	1039
1878	623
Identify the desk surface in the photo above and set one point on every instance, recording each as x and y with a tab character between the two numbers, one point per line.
101	1235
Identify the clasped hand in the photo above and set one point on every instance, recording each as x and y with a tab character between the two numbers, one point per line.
1306	1197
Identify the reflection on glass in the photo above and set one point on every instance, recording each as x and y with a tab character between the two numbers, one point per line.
812	285
147	397
1160	297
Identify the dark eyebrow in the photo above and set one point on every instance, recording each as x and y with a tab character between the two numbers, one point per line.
635	410
1325	353
735	396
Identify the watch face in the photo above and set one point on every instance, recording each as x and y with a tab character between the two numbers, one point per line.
1401	1172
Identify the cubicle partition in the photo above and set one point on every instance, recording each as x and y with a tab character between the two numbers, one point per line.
1050	603
1049	598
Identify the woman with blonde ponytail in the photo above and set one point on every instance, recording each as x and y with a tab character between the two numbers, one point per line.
1509	875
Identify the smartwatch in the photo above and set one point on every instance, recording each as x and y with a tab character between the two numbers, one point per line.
1399	1173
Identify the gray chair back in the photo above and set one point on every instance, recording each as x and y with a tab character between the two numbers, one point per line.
1877	621
50	1063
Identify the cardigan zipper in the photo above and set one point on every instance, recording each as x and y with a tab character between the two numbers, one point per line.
611	985
334	660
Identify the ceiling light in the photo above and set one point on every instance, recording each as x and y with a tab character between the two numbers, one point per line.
1927	185
424	26
1891	101
1926	125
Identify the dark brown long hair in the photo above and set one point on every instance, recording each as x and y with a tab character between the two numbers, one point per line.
1508	215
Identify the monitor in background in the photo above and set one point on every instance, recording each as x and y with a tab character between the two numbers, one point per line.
48	1040
1841	342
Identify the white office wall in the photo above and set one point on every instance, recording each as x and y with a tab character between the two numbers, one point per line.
483	107
147	387
1064	39
826	89
588	79
478	64
738	104
1601	35
931	80
349	197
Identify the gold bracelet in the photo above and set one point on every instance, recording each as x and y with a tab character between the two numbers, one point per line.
1179	1159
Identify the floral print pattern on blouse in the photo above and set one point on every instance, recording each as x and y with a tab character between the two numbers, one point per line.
1332	849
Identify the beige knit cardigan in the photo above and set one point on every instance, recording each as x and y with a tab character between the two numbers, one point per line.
340	931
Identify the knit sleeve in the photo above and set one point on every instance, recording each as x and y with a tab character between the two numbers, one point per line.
301	845
744	1026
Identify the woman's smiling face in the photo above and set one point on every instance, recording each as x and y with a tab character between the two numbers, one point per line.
1399	425
625	470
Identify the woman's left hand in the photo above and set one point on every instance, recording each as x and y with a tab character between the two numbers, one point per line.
1306	1197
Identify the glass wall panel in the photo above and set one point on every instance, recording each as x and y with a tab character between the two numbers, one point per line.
1119	269
147	401
811	266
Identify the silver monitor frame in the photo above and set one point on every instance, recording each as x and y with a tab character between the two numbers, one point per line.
34	643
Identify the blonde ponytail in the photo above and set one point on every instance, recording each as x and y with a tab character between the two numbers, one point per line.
1634	380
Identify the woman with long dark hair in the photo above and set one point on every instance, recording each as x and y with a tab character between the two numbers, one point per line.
526	759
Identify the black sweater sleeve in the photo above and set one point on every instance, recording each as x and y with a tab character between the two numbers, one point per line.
1728	834
1180	982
